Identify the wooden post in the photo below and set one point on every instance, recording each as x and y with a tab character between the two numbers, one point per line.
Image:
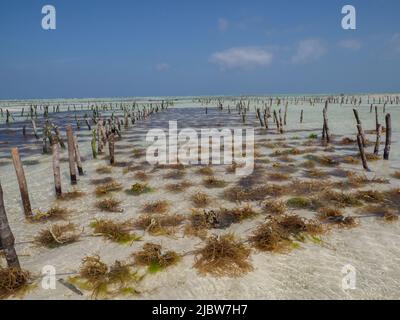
277	122
34	129
284	119
23	187
259	118
71	154
266	120
301	116
111	148
361	131
93	144
378	139
6	237
326	127
78	157
388	137
56	166
88	124
59	138
362	153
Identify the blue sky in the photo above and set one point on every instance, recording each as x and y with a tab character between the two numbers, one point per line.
185	47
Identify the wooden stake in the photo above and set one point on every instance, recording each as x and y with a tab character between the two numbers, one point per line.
259	118
34	129
266	120
111	148
361	131
326	127
71	154
7	239
388	137
277	122
301	116
56	166
362	153
23	187
285	116
78	157
378	139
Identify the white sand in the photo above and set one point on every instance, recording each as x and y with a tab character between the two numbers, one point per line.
311	272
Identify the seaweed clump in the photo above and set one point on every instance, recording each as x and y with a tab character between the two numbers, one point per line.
336	216
58	235
217	219
54	213
340	199
140	188
239	194
115	231
274	207
109	205
223	256
155	258
279	232
13	281
178	187
106	188
159	224
96	276
213	182
200	200
71	195
159	206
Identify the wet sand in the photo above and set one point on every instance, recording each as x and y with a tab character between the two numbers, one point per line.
312	271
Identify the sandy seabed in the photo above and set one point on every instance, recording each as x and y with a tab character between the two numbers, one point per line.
313	270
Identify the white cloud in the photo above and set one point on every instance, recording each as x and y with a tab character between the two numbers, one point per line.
162	66
308	51
351	44
223	24
242	58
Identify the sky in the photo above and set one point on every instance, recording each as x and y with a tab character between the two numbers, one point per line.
127	48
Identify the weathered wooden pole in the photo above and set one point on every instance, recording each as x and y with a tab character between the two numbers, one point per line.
326	127
378	139
56	166
277	122
78	157
360	128
23	187
280	121
301	116
259	118
59	138
285	116
7	239
111	148
34	129
88	124
266	120
71	154
388	137
362	152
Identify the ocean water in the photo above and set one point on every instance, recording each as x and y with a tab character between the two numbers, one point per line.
311	272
